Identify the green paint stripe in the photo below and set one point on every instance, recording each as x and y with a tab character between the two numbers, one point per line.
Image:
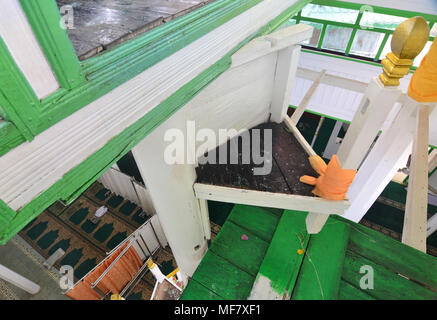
282	262
350	292
10	137
16	95
80	178
44	18
321	271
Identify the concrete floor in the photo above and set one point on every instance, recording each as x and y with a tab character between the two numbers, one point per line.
18	256
101	24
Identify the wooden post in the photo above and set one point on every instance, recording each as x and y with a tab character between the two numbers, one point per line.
18	280
171	190
286	68
416	208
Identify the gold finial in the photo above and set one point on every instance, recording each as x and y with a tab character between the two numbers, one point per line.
407	42
150	264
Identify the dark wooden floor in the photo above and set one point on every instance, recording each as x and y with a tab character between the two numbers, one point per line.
102	24
290	162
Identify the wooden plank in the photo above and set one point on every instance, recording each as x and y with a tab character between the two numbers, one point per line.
196	291
416	207
297	114
320	275
393	255
315	222
388	285
247	255
349	292
223	278
258	221
280	267
269	199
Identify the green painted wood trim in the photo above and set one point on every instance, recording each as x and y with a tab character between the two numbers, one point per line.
81	177
354	32
44	18
10	137
6	214
320	275
282	261
322	36
17	98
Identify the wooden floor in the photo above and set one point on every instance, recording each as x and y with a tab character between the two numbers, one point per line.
290	162
102	24
330	267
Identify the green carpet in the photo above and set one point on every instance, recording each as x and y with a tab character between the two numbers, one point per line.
37	230
104	232
48	239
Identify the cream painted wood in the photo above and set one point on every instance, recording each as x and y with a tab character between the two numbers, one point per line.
375	106
269	199
297	114
171	190
33	167
416	207
386	157
24	48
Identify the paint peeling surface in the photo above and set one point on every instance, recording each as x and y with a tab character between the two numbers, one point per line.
101	24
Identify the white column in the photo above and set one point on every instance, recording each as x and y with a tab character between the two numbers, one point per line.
171	190
416	207
286	68
386	157
18	280
375	106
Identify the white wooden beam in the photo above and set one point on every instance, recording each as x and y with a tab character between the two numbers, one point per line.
375	106
299	137
416	207
270	199
298	112
283	84
18	280
383	161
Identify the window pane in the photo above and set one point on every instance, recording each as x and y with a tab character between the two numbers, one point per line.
420	57
336	38
366	43
379	20
329	13
387	48
314	40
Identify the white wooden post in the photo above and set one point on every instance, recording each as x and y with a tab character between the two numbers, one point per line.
416	208
384	160
18	280
286	68
171	190
374	108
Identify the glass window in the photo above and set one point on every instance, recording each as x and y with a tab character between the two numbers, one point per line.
336	38
314	40
378	20
421	55
330	13
366	43
387	48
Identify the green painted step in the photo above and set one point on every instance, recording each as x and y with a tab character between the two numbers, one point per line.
349	292
196	291
280	267
320	274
